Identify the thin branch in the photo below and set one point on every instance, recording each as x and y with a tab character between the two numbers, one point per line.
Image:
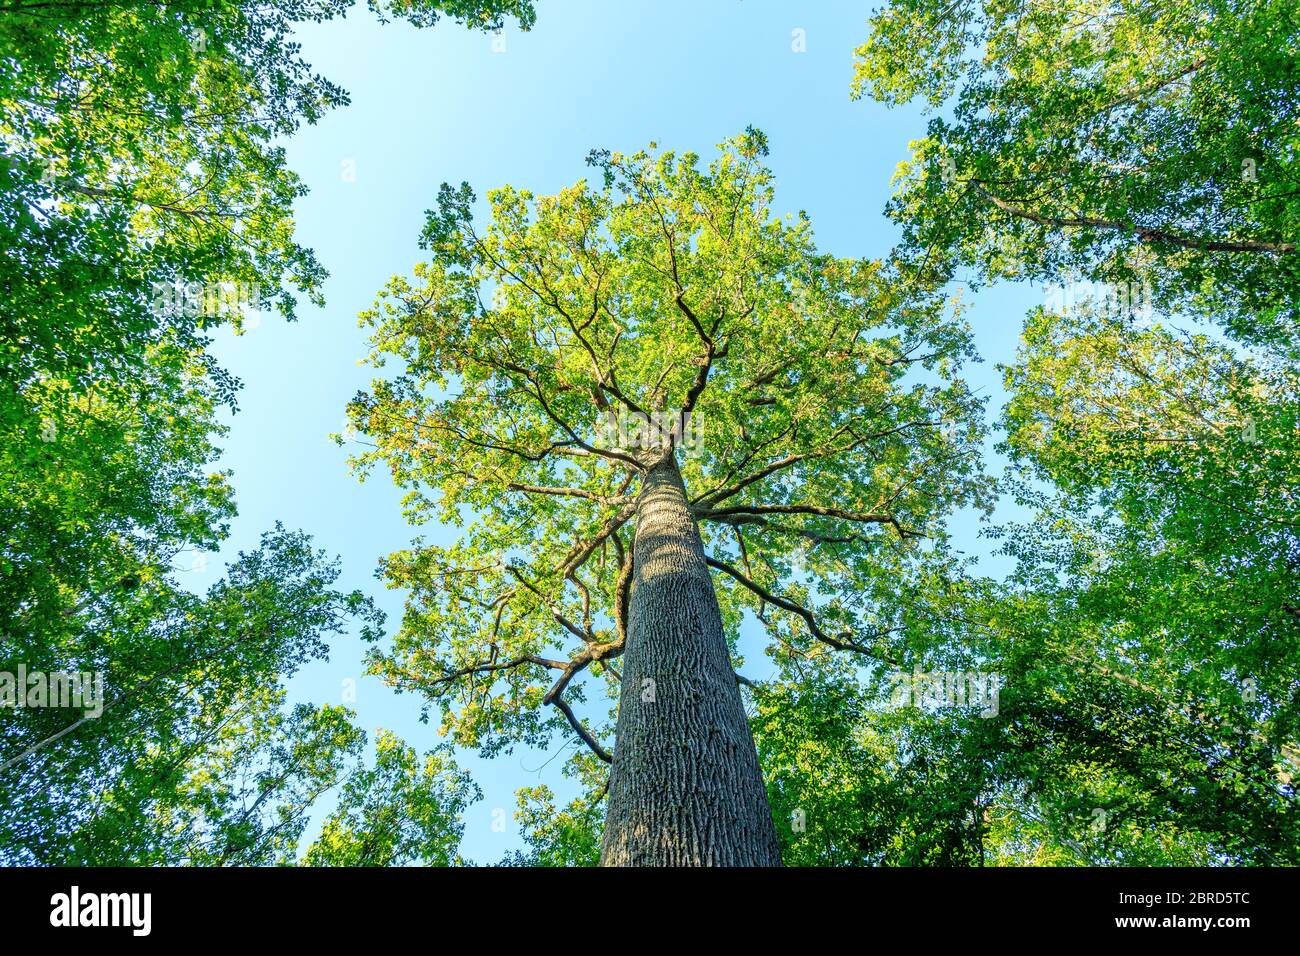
582	731
1144	234
752	514
840	644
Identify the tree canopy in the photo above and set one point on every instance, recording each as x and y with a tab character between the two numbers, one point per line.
1147	142
820	422
1136	158
145	201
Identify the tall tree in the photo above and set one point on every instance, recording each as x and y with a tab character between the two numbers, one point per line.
655	402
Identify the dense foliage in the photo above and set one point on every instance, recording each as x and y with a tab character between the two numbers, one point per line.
1128	694
823	432
1139	160
1147	141
144	202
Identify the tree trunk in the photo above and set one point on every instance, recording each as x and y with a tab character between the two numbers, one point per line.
685	789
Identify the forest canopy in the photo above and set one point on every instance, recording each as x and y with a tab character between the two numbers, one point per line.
685	481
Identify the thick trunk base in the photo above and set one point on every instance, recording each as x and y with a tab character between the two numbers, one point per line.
685	789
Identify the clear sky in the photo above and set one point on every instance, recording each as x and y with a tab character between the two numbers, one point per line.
446	104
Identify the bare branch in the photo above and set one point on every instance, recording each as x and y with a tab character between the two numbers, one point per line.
569	493
582	731
484	668
585	636
752	514
579	555
712	497
845	643
1146	234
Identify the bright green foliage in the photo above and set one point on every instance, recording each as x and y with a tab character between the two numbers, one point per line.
138	140
143	202
101	491
476	14
1163	573
1150	141
190	698
1149	635
1148	641
242	798
854	783
568	837
403	810
828	424
136	157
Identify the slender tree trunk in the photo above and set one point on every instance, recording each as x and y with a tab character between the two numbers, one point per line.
685	789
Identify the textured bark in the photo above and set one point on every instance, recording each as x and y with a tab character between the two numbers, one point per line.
685	788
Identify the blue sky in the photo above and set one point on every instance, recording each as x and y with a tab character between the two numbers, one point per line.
445	104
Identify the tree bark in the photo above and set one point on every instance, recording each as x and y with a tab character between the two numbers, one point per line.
685	788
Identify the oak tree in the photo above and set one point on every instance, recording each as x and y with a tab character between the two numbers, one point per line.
658	408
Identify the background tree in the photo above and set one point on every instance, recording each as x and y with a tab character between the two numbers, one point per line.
240	797
856	782
555	837
405	809
1147	634
1156	588
556	368
191	695
1124	142
138	150
137	164
143	202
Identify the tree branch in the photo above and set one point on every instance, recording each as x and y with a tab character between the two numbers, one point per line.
845	644
752	514
1144	234
582	731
